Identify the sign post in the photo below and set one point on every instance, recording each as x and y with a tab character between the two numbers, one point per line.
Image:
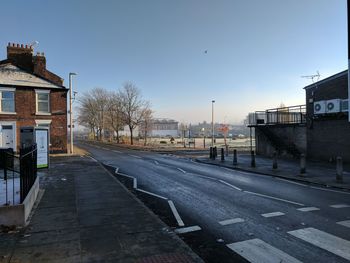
42	142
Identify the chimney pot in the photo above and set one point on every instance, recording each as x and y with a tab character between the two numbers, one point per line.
13	44
43	54
21	45
26	46
38	53
17	45
9	44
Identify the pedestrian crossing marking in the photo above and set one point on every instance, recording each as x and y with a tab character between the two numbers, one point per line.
331	243
231	221
344	223
340	206
258	251
273	214
308	209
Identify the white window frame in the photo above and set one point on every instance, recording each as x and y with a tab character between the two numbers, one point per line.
40	91
14	100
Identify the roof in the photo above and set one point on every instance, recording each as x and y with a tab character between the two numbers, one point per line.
340	74
14	76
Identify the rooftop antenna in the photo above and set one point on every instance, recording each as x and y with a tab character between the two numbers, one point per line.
312	77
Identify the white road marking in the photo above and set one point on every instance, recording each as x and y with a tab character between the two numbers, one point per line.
135	156
93	159
344	223
274	198
187	229
333	244
258	251
308	209
230	185
156	162
181	170
290	182
231	221
134	180
176	214
340	206
116	151
273	214
146	192
330	190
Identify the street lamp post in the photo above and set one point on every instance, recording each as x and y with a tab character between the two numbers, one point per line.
203	131
71	110
212	123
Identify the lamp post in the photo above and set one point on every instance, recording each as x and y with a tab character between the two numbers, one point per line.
203	131
71	110
212	123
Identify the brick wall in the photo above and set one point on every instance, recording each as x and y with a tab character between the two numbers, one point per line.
25	106
328	136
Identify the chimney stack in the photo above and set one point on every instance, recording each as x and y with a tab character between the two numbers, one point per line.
21	56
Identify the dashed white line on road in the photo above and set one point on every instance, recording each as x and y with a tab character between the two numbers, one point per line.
146	192
308	209
176	214
187	229
181	170
340	206
274	198
330	190
135	156
290	182
258	251
116	151
231	221
273	214
344	223
230	185
156	162
333	244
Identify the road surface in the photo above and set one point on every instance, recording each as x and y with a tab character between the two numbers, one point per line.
256	218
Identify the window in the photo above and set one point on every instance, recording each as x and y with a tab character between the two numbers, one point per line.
42	102
7	104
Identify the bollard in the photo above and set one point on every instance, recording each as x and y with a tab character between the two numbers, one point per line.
302	164
274	162
215	153
252	164
211	152
339	169
222	154
234	157
226	153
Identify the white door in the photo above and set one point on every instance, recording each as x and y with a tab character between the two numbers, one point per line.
7	136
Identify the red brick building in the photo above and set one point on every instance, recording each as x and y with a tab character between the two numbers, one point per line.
31	96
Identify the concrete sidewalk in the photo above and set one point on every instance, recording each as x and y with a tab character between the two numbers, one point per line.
86	215
317	173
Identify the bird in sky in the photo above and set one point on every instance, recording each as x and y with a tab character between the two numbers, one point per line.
205	51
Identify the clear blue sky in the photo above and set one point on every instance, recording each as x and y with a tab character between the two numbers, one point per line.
257	50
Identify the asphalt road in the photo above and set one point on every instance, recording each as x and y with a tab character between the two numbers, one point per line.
258	218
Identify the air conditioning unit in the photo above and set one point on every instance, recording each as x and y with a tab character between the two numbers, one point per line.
344	106
333	106
320	107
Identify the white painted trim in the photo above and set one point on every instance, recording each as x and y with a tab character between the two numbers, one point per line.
42	91
7	89
43	122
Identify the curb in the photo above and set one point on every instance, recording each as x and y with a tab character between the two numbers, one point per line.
304	180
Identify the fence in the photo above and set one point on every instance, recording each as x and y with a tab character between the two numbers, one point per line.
19	173
284	115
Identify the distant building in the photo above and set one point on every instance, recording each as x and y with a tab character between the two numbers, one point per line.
31	96
164	128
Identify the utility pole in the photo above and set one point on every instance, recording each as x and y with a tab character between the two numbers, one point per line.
212	122
71	111
348	3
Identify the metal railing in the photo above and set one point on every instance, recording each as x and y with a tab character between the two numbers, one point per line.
19	173
284	115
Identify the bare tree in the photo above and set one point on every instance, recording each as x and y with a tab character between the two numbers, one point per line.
93	106
115	115
147	123
134	107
